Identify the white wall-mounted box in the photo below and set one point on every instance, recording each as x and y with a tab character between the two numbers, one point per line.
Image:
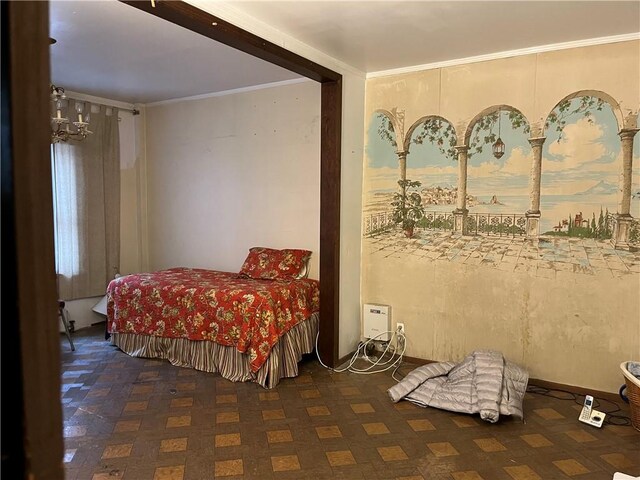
376	321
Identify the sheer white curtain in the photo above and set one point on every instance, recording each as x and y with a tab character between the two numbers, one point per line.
86	187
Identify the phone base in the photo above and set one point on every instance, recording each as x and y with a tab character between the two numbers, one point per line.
596	419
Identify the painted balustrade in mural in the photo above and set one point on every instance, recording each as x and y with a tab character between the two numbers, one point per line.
436	221
501	225
377	223
634	233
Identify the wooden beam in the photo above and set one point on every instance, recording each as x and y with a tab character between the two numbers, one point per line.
330	168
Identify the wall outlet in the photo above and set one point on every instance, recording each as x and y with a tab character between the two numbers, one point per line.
400	327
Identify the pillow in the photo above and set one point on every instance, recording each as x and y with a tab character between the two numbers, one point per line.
271	264
304	272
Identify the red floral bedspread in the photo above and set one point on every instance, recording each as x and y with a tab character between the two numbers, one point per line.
210	305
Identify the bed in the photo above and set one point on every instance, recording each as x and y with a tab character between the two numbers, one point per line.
249	326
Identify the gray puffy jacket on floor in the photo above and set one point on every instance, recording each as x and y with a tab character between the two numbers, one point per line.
483	382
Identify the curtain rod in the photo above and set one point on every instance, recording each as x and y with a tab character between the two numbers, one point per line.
122	106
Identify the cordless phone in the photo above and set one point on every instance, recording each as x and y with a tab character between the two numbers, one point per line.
590	416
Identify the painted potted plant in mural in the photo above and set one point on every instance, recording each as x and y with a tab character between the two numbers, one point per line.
407	206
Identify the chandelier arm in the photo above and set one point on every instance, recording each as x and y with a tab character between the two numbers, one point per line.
58	133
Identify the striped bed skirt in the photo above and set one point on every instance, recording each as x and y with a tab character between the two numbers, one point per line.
229	362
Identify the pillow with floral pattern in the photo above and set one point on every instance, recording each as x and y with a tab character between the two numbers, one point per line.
272	264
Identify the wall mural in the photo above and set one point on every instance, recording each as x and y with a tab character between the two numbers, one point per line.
562	215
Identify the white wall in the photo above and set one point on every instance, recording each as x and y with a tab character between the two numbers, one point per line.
353	86
129	222
227	173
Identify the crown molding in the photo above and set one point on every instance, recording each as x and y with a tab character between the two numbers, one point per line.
507	54
229	92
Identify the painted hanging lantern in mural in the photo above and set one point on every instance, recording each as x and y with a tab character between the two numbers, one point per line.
483	132
498	146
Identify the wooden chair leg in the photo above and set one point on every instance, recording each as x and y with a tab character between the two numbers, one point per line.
65	320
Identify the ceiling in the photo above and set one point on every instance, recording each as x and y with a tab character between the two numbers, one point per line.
109	49
380	35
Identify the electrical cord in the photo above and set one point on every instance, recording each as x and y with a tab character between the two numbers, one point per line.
610	419
394	361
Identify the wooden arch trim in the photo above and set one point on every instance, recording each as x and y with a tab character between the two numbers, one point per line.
204	23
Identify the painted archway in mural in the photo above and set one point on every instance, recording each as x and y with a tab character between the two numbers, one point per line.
431	156
581	167
432	170
499	183
498	172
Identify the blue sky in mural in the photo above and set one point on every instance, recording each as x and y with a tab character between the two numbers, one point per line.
427	164
508	175
379	151
587	155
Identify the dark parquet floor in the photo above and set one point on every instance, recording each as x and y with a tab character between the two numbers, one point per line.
144	419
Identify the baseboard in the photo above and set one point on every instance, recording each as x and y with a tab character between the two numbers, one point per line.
418	361
345	358
612	397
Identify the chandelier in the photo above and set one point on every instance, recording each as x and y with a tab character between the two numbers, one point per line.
61	130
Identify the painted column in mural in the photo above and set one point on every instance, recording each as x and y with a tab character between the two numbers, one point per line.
460	213
621	228
533	214
402	164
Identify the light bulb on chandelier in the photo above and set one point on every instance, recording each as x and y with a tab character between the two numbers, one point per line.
61	130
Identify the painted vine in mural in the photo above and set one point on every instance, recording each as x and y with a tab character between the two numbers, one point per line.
585	107
385	129
440	133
